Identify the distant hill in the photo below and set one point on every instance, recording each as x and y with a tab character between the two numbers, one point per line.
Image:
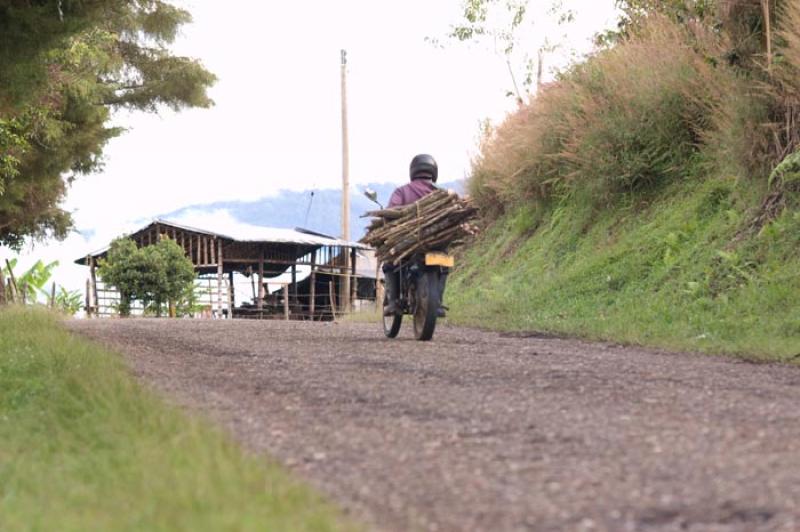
290	209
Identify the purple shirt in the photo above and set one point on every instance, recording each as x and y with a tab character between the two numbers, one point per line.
411	192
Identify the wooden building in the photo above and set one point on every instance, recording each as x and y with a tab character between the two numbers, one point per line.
365	286
261	253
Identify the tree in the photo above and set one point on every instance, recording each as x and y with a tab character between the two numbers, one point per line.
156	275
124	268
178	279
505	24
64	67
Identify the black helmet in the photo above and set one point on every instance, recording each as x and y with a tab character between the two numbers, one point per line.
424	166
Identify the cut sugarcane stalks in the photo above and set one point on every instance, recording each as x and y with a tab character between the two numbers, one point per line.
433	223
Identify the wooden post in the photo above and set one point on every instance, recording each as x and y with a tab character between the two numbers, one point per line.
191	252
345	178
294	283
354	280
313	301
93	277
252	282
231	295
53	296
88	299
13	281
286	301
260	303
218	257
2	288
332	291
210	293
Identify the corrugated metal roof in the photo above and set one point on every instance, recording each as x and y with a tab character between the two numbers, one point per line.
241	232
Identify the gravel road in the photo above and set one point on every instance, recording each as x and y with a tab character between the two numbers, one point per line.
481	431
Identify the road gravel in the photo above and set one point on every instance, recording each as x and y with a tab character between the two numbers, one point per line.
484	431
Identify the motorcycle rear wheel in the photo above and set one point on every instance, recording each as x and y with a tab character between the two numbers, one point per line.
426	305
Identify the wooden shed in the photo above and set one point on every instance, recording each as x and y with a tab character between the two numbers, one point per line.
260	253
365	286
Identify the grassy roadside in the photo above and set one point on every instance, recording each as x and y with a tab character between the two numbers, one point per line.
83	447
677	274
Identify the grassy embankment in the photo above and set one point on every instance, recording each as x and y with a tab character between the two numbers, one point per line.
83	447
631	200
667	277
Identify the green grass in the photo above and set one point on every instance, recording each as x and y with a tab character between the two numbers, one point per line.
83	447
671	274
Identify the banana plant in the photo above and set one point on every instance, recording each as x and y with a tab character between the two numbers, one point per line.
33	281
68	301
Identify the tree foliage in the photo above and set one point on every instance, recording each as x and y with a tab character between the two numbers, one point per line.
64	68
155	275
505	24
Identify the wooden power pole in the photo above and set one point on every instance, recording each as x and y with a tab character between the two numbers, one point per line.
345	287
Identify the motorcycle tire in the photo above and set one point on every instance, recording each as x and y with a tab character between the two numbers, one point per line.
426	305
391	324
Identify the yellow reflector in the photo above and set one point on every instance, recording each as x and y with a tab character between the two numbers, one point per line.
439	259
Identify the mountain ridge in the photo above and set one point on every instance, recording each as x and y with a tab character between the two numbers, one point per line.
316	210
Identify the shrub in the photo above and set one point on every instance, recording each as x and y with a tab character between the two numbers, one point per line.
155	274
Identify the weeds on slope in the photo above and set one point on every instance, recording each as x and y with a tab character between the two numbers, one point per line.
666	275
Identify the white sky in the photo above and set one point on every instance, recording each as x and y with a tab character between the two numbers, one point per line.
276	123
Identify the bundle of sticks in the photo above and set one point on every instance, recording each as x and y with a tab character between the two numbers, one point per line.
435	222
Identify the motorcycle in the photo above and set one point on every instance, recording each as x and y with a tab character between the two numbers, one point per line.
421	283
420	289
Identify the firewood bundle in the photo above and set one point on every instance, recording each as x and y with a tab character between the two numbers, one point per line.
435	222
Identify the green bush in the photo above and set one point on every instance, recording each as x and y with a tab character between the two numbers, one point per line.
155	274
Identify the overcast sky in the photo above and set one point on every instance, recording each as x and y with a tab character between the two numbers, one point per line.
277	120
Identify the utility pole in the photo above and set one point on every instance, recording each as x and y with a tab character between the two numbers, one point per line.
345	290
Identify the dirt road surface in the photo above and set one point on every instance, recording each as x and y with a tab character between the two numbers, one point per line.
480	431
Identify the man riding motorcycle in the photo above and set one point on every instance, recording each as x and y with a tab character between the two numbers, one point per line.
423	172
